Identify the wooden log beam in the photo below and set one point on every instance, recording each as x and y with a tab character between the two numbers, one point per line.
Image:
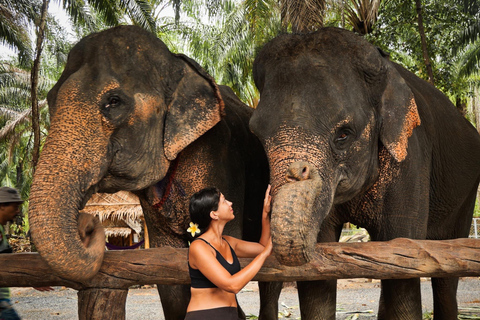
395	259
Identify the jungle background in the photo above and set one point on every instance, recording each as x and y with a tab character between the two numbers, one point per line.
439	40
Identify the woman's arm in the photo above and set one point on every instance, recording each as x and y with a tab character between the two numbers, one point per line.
246	249
202	257
267	201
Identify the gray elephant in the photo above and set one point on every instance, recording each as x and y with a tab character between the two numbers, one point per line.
127	114
353	137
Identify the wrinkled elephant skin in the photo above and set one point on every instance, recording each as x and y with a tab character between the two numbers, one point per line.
353	137
298	198
127	114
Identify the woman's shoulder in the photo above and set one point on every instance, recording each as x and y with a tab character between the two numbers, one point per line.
200	243
232	241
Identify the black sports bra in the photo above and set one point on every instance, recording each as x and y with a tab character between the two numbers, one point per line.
200	281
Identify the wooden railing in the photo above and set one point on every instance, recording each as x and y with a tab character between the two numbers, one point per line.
396	259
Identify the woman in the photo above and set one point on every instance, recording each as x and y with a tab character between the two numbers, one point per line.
212	259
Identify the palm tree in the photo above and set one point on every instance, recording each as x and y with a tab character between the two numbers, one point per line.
360	15
470	40
15	120
227	43
303	15
16	17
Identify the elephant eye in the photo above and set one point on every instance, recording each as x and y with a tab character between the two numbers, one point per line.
343	136
113	102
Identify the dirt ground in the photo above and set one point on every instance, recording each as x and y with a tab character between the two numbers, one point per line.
356	299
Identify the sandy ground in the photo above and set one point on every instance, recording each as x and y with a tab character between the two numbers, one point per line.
356	299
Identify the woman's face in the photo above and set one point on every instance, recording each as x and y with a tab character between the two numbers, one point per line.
225	210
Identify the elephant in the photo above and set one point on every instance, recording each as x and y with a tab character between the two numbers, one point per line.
127	114
351	136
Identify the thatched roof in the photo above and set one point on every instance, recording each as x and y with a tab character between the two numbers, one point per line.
118	232
122	205
119	212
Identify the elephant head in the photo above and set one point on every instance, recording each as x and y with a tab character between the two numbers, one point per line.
122	110
332	111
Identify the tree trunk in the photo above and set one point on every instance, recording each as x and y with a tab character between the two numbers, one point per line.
423	39
40	31
475	110
461	106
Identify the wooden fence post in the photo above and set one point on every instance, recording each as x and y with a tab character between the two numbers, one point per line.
102	304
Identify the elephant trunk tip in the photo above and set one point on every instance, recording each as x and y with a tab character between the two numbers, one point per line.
75	257
291	255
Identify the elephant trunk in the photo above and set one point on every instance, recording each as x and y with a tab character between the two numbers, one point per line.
295	221
72	243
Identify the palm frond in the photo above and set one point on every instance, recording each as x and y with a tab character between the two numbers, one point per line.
361	15
470	61
471	33
14	31
80	13
140	12
109	10
10	129
303	15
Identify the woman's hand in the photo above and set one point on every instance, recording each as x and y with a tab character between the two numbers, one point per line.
267	250
267	203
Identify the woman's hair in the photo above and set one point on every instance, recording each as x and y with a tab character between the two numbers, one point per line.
201	204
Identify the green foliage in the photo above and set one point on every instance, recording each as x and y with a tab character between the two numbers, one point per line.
16	137
396	32
226	41
476	211
427	315
16	19
88	14
21	226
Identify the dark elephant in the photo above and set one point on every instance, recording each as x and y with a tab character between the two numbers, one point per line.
354	137
127	114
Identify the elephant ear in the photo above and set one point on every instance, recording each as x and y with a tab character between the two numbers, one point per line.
196	106
399	115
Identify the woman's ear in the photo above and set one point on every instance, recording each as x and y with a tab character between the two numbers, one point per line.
213	215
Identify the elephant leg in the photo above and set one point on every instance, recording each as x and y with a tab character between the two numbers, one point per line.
400	300
445	298
269	295
175	300
318	299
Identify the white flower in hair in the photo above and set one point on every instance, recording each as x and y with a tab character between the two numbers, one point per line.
193	229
